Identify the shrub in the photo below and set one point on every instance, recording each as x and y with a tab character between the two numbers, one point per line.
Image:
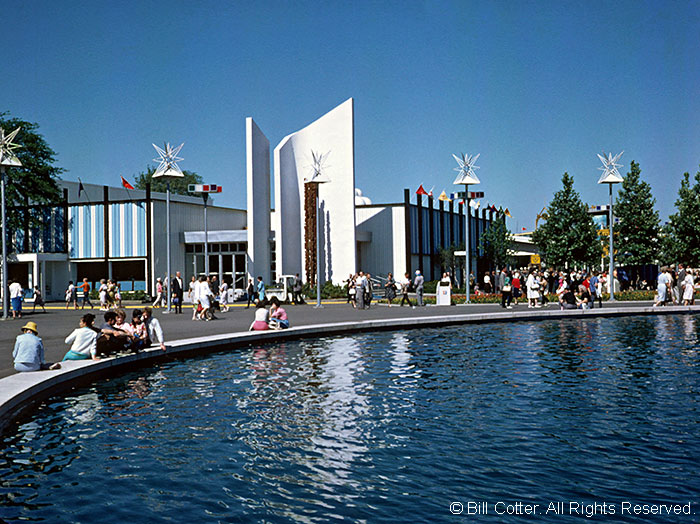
329	290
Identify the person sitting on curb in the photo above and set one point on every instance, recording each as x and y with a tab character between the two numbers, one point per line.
111	338
278	316
155	332
567	300
83	340
261	317
137	329
29	351
583	297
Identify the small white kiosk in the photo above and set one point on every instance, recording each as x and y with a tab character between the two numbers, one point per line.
443	295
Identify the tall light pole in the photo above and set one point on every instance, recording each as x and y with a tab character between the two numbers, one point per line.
466	176
317	177
168	169
205	189
7	158
610	176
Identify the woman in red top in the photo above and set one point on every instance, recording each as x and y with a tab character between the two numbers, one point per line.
516	287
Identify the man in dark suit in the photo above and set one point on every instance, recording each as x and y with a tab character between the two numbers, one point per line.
176	287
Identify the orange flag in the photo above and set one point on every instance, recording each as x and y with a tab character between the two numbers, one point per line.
126	184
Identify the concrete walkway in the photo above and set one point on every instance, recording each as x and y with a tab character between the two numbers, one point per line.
55	325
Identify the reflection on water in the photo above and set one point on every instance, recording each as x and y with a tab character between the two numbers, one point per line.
384	427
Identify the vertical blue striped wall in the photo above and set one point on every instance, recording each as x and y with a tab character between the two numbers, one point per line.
127	230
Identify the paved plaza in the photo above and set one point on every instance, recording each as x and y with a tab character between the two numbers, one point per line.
57	323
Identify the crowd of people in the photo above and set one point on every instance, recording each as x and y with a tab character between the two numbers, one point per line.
535	286
676	285
574	289
360	289
580	289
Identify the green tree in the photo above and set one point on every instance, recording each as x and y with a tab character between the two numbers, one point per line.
637	234
496	243
569	235
37	178
178	186
681	235
450	262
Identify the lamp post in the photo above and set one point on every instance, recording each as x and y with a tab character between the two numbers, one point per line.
317	177
465	177
7	158
168	169
610	176
205	189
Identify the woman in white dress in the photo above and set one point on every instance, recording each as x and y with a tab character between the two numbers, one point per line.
223	296
662	288
533	290
103	295
688	288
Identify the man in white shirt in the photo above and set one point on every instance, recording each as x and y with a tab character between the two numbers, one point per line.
155	332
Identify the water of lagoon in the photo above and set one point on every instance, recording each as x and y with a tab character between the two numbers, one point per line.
378	427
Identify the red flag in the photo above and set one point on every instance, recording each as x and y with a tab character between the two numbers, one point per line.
421	191
126	184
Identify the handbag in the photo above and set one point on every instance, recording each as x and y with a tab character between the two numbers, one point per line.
506	289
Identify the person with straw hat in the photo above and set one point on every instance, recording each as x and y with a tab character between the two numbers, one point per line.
29	350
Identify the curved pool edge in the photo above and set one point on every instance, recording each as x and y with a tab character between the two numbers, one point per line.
21	390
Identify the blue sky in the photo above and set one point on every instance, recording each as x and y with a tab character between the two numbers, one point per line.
538	88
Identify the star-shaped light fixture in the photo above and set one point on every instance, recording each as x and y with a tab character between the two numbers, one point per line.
467	165
610	173
168	161
318	169
7	156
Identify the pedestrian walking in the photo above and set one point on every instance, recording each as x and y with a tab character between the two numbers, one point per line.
260	289
16	298
352	291
533	289
178	293
223	296
71	295
506	290
487	283
250	291
191	290
594	289
296	290
663	287
360	286
688	288
405	290
369	291
85	289
390	287
160	296
38	299
418	283
102	291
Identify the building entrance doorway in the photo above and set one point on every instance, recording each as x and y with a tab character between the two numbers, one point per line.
226	261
